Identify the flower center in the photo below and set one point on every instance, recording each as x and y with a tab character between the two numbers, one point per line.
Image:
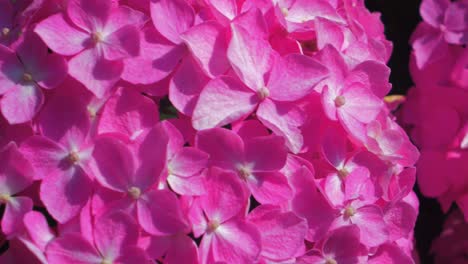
5	31
263	93
97	37
212	226
343	173
4	198
244	172
340	101
27	77
106	261
330	261
285	11
73	157
349	211
134	192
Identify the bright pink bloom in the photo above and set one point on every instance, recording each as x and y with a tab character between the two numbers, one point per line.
255	161
99	36
23	73
115	241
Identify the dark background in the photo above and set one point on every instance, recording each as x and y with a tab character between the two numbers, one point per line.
400	18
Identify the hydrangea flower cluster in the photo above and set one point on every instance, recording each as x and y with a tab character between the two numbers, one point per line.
451	246
211	131
436	111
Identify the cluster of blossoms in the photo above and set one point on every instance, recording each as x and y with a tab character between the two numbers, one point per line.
209	131
451	246
436	111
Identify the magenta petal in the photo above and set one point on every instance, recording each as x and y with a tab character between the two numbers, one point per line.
89	15
38	229
333	146
123	43
186	86
133	254
222	101
127	112
343	245
16	173
178	17
370	221
224	146
182	250
390	254
21	104
236	242
11	70
96	73
64	194
188	162
266	153
159	213
250	56
207	42
193	186
60	36
72	248
15	210
285	120
113	232
361	103
282	233
295	77
269	187
400	219
158	58
223	188
432	11
113	164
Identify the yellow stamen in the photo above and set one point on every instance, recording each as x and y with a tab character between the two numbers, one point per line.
4	198
285	11
343	173
213	225
73	157
330	261
97	37
349	211
27	77
5	31
263	93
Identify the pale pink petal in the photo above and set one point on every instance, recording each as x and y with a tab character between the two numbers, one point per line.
224	146
15	210
294	77
22	103
160	213
222	101
178	17
208	43
377	75
284	120
72	248
113	232
226	9
113	164
16	173
428	45
122	16
371	224
251	57
60	36
282	233
96	73
390	254
432	11
269	187
223	188
236	242
400	219
158	58
38	229
194	185
186	85
361	103
333	189
121	44
188	162
64	194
